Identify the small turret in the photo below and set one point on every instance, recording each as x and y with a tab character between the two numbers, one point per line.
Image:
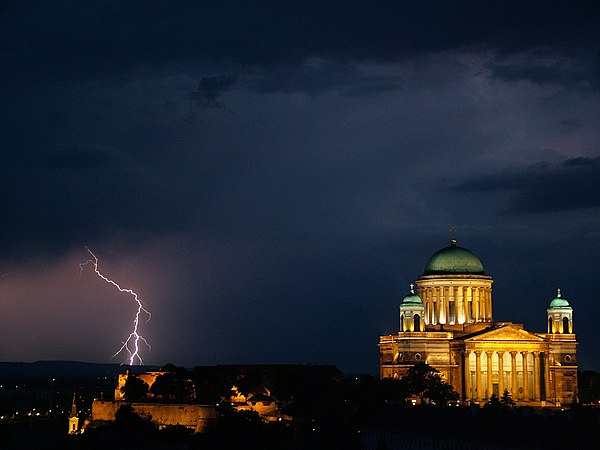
560	315
412	312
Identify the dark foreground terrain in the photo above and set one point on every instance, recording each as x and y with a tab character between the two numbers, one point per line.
328	410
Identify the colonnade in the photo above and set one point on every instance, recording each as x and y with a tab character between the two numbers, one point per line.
456	304
523	373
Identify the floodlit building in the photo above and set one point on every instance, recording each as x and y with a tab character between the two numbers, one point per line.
447	323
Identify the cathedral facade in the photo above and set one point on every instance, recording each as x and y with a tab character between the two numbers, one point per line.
447	323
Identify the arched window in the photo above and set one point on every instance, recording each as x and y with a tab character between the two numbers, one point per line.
417	320
565	325
550	330
401	322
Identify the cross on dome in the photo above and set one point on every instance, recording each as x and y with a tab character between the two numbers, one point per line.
453	235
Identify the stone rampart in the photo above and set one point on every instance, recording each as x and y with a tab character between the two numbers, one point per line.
195	417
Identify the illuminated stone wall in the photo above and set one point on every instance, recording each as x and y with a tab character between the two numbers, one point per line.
149	378
195	417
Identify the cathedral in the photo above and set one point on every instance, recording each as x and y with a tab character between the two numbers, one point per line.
446	322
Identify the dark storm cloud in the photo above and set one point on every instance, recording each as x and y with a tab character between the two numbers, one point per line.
55	40
314	77
543	187
211	88
71	195
537	74
307	213
568	126
567	73
94	157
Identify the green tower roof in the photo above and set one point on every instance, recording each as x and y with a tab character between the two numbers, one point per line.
411	298
559	302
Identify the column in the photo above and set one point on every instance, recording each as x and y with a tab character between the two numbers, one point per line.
490	380
452	305
478	374
513	389
547	374
482	309
500	373
428	299
436	304
482	304
463	294
467	375
525	377
443	319
485	304
448	305
536	376
489	309
423	294
444	306
468	300
460	310
476	299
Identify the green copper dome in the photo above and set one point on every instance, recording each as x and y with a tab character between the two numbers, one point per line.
559	302
411	298
454	260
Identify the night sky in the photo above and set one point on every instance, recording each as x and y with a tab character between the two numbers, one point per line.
271	176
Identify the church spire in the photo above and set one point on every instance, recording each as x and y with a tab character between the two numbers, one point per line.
73	419
74	407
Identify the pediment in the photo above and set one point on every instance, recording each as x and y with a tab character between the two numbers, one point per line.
506	333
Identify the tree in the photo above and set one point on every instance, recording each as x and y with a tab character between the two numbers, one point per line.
127	419
441	393
493	402
172	388
134	389
507	400
425	382
494	405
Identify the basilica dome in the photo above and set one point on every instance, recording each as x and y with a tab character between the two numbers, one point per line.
453	260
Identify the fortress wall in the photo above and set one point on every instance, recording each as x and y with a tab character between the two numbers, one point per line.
196	417
102	410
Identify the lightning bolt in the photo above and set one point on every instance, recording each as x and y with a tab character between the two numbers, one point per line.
131	345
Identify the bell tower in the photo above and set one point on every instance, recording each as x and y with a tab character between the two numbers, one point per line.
412	312
560	315
73	418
